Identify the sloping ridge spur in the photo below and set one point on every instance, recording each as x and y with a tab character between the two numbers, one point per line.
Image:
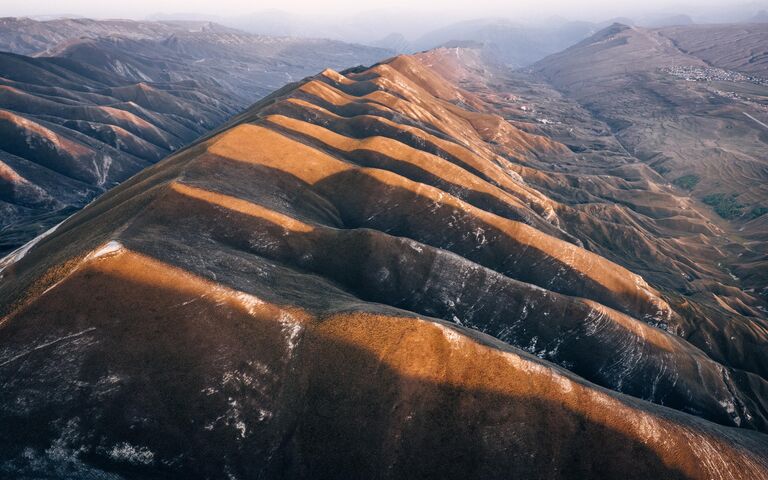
347	282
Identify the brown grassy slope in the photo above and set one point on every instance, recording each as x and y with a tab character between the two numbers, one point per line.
313	295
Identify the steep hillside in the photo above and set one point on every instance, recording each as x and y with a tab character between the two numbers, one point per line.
99	101
372	274
695	118
70	131
734	47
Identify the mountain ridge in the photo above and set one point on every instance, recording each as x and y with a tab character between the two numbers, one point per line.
363	262
99	101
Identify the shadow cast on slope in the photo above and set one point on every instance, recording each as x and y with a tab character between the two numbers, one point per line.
492	200
632	357
150	372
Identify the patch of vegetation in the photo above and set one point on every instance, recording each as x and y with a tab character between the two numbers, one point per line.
687	181
725	205
758	212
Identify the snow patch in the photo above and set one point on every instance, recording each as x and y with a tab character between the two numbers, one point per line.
249	302
291	328
240	427
102	172
4	361
453	337
108	249
730	407
125	452
22	251
415	246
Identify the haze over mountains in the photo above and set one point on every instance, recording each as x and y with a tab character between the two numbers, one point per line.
435	266
514	39
414	21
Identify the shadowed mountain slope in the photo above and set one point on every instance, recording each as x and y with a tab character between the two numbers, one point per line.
690	103
69	131
100	100
364	275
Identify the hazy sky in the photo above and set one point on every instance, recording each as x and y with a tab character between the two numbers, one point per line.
475	8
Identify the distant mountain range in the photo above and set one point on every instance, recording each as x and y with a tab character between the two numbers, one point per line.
512	40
